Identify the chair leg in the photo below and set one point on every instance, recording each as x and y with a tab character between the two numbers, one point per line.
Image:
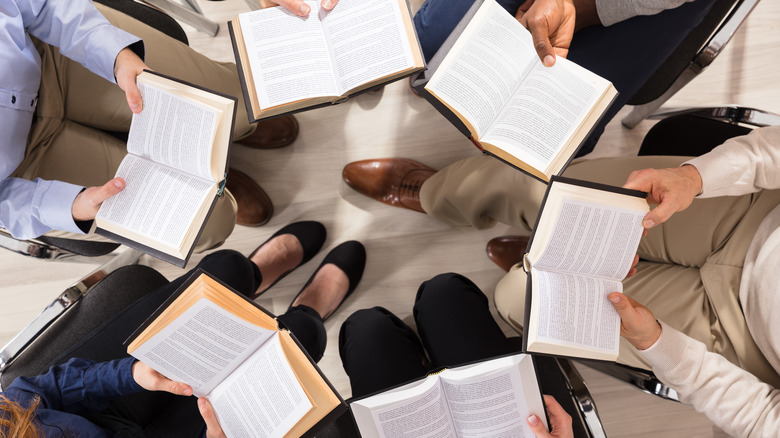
581	395
641	112
47	251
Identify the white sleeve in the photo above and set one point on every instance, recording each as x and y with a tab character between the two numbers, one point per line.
735	400
615	11
741	165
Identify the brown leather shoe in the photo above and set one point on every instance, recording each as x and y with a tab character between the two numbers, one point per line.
393	181
254	205
507	251
272	133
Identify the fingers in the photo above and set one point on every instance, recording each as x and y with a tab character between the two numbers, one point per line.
297	7
540	33
538	428
213	429
126	68
560	420
328	5
88	202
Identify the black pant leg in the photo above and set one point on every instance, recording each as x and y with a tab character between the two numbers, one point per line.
455	324
306	324
379	351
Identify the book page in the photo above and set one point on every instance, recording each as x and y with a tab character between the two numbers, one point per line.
592	239
174	131
158	202
416	409
488	399
288	55
574	310
262	397
367	40
539	119
202	346
484	67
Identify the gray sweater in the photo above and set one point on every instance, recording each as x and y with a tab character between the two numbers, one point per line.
615	11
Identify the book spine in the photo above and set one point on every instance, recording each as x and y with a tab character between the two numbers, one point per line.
476	143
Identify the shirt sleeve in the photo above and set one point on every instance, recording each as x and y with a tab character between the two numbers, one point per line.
615	11
735	400
79	386
741	165
81	33
29	209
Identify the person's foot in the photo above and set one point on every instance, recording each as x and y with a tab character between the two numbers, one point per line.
288	248
272	133
507	251
336	278
393	181
254	205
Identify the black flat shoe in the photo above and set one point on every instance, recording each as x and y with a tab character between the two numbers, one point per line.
350	257
310	234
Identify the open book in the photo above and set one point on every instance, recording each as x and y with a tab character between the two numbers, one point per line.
287	63
487	399
175	168
490	80
257	377
582	247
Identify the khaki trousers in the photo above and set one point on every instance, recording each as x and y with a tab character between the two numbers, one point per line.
68	142
690	266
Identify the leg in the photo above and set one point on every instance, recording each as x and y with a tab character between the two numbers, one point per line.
306	324
613	52
104	106
455	324
436	19
379	351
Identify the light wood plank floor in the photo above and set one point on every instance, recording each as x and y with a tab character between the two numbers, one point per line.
406	248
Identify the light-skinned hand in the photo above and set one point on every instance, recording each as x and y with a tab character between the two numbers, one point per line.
672	189
88	202
637	323
632	271
560	421
151	380
551	23
127	67
213	429
298	7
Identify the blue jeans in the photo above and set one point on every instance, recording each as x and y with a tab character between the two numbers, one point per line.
627	53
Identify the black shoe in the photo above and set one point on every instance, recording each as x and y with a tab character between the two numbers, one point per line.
350	257
310	234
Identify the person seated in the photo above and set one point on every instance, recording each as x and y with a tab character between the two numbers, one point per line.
479	191
95	389
62	63
379	351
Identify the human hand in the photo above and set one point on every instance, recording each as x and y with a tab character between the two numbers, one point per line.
672	189
213	429
126	67
151	380
637	323
560	421
297	7
88	202
551	23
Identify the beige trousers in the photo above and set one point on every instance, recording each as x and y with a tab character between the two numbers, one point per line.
691	265
67	141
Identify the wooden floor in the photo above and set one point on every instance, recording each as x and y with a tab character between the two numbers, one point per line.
406	248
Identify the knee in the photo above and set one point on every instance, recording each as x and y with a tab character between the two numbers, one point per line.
227	265
366	327
443	287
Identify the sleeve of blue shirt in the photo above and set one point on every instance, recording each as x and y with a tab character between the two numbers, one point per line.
78	386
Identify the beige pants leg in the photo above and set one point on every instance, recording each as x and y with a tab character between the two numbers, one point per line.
66	142
691	267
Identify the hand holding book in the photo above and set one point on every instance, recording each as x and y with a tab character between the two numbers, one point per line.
297	7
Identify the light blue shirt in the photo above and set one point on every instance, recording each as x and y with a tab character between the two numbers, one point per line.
31	208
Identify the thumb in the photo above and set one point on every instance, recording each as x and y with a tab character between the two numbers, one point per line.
621	304
133	96
108	190
213	429
537	426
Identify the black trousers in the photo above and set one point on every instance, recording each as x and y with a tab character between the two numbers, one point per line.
380	351
160	414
